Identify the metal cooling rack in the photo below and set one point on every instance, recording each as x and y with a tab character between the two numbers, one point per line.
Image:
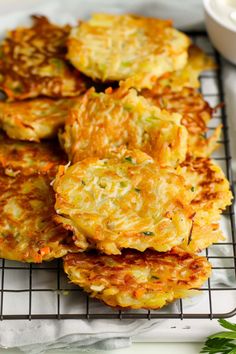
43	292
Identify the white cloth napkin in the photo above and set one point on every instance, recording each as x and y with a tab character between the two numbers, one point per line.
39	335
36	337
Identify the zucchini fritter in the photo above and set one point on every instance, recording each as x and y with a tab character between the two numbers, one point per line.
175	81
118	47
196	113
137	280
101	122
210	188
177	92
18	157
210	196
27	230
32	62
125	201
35	119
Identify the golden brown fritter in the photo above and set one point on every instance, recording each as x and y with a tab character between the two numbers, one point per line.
210	188
125	201
101	122
175	81
196	113
27	230
210	196
177	92
201	146
18	157
32	62
119	47
35	119
137	280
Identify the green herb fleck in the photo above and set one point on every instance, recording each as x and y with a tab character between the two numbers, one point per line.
101	185
192	189
148	233
137	190
155	277
95	94
126	63
151	119
102	68
58	64
83	183
128	107
123	184
129	159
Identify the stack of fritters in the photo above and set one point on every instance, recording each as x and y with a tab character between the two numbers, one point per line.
28	232
140	194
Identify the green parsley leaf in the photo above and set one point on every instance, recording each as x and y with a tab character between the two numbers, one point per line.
222	342
226	334
227	324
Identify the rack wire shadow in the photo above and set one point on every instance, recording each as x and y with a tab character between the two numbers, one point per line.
42	291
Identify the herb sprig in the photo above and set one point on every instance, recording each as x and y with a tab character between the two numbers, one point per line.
222	342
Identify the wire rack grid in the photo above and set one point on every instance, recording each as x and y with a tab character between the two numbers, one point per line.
42	291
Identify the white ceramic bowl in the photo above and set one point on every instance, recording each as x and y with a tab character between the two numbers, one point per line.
221	34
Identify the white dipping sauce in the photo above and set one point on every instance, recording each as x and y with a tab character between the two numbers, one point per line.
225	10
